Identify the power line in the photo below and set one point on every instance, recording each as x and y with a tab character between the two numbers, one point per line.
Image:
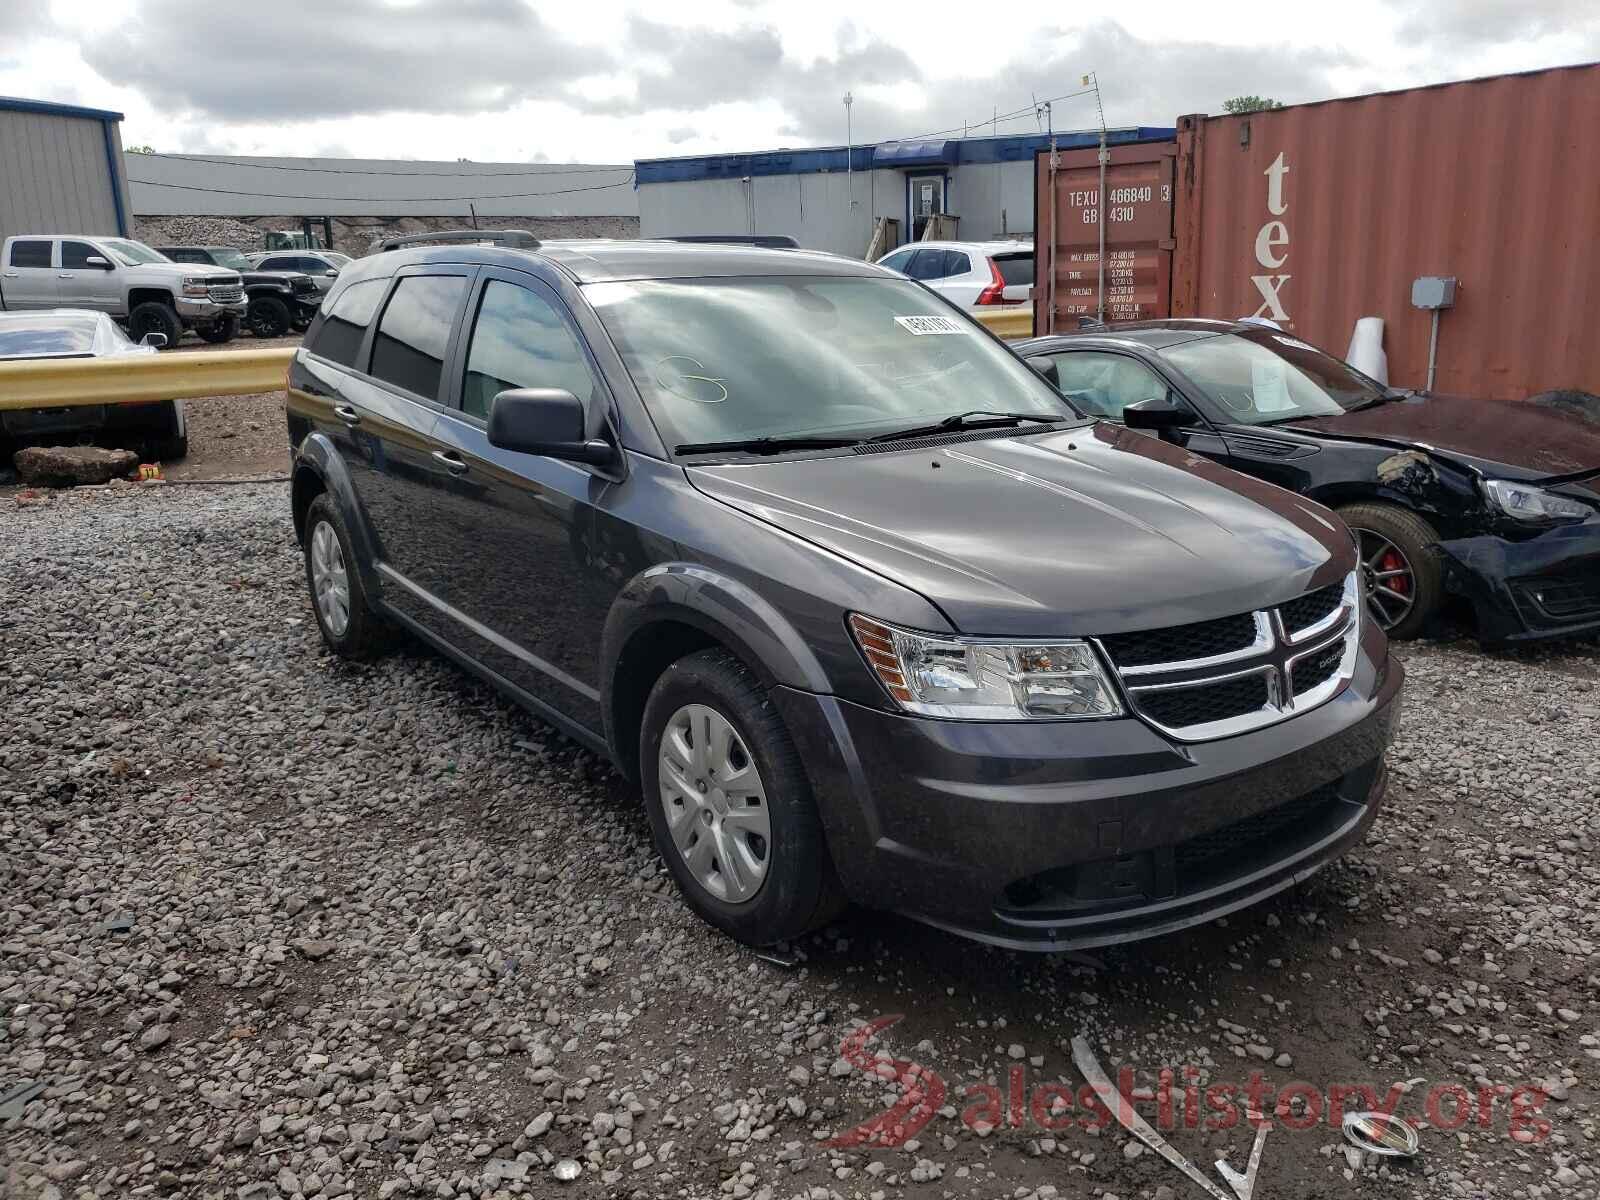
991	119
224	162
184	187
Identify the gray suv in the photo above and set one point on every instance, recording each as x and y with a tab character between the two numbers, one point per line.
867	610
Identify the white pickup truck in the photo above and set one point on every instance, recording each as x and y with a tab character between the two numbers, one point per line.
136	285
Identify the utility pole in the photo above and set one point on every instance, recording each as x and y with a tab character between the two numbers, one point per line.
1093	80
849	151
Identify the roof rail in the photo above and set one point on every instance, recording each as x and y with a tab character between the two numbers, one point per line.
771	241
517	239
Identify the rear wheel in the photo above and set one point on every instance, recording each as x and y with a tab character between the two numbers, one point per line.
268	317
1399	574
729	803
338	598
155	317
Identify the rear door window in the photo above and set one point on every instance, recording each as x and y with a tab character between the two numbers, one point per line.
345	323
521	340
1015	268
30	254
926	264
414	331
955	263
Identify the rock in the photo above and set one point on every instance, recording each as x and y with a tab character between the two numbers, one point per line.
67	466
155	1037
1132	1150
539	1126
315	949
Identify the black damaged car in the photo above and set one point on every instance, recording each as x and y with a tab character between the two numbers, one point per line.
1497	504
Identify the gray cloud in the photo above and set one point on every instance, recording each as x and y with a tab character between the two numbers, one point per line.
309	59
1473	24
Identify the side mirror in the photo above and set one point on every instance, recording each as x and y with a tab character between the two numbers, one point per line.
154	340
95	260
547	421
1163	417
331	273
1046	366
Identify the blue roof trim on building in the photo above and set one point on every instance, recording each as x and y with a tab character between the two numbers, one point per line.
50	109
916	154
959	151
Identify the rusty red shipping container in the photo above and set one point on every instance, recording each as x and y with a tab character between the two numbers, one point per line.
1138	232
1319	214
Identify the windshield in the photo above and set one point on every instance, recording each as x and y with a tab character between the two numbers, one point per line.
225	257
729	359
1266	377
133	254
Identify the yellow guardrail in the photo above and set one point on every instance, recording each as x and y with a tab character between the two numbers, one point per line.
140	379
1011	322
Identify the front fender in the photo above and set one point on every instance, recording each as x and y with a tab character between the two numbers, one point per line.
718	605
318	459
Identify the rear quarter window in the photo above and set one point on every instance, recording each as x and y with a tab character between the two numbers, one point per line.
1015	268
344	323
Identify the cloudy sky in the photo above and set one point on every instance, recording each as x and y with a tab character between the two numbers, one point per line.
600	81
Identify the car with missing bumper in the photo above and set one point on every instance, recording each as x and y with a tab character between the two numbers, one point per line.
277	301
139	287
867	610
1496	504
157	430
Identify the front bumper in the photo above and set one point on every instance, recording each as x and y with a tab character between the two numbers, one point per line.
1060	835
196	308
1545	587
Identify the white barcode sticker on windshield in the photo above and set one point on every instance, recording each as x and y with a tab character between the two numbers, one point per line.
921	326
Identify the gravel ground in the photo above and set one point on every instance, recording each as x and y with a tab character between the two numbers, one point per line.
232	437
276	925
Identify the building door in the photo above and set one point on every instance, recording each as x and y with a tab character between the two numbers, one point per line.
927	200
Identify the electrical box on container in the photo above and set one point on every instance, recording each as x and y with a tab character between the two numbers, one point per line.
1433	291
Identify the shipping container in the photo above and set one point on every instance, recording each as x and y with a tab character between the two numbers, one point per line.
1138	234
1318	214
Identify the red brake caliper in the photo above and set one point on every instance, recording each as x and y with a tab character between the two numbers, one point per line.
1393	562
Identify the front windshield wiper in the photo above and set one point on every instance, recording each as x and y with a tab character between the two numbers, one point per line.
767	445
977	418
1387	396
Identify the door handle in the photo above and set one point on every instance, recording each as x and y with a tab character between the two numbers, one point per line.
347	414
450	461
66	275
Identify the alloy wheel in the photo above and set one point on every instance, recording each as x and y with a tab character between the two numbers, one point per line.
330	583
1387	578
715	803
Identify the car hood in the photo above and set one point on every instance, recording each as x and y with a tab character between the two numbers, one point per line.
1539	438
1087	531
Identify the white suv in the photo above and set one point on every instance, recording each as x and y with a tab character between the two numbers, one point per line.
970	274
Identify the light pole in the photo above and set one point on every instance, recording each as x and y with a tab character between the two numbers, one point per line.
849	149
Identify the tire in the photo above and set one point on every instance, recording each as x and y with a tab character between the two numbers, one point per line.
1394	539
168	449
155	317
364	635
268	317
220	331
793	889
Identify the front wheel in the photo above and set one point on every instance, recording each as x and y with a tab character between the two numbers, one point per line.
220	331
730	806
1399	574
268	317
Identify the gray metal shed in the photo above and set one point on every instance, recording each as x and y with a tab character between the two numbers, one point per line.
60	169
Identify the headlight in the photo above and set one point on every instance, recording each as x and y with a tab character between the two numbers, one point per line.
194	285
1522	502
986	681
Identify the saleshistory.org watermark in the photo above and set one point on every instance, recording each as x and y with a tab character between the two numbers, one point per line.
1177	1100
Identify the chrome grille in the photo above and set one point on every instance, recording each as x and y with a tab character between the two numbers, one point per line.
227	293
1208	680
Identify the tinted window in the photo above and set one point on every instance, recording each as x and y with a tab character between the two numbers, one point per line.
1105	384
414	330
188	256
314	265
75	255
279	264
345	323
30	254
1015	268
926	264
897	261
520	341
955	263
